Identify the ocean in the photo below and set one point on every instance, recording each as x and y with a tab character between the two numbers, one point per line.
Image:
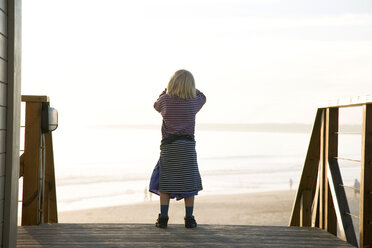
102	167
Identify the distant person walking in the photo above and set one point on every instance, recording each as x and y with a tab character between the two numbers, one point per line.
356	187
146	195
290	184
176	174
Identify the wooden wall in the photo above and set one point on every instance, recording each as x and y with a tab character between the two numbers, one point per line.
3	106
10	103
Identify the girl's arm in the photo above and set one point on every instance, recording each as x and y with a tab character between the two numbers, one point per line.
164	92
159	103
202	99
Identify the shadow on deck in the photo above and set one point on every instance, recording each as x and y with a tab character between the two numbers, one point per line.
146	235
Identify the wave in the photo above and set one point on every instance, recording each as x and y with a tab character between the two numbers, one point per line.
98	196
66	181
250	157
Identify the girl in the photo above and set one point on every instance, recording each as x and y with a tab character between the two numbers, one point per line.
176	175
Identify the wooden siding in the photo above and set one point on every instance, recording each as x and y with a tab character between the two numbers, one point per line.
2	164
2	181
3	104
2	118
2	209
2	167
3	95
2	176
3	71
3	107
2	157
11	28
3	6
2	142
3	47
3	24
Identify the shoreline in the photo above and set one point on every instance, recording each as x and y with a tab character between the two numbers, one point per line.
140	201
259	208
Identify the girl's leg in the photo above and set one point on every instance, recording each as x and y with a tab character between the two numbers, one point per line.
189	218
189	205
164	203
162	221
189	201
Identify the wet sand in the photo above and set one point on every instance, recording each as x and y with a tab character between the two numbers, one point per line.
268	208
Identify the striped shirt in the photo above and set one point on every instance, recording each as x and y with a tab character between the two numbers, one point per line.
178	114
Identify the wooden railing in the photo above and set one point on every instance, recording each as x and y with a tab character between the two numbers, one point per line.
321	199
39	202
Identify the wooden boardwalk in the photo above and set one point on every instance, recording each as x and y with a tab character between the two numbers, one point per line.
146	235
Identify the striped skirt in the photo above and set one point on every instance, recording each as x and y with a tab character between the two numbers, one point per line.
177	171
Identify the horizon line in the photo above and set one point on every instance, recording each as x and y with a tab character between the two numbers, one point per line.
239	127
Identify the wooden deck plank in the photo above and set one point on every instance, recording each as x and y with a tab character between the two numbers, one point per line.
146	235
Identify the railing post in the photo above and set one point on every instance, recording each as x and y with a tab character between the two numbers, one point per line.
39	203
31	163
330	153
315	205
305	213
365	214
322	169
309	172
50	197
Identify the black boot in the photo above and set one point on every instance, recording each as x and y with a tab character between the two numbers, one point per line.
190	222
162	221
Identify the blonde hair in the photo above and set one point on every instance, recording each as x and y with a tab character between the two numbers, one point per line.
182	85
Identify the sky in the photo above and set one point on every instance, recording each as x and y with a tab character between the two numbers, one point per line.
106	62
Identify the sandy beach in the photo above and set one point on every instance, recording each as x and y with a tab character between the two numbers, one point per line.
268	208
